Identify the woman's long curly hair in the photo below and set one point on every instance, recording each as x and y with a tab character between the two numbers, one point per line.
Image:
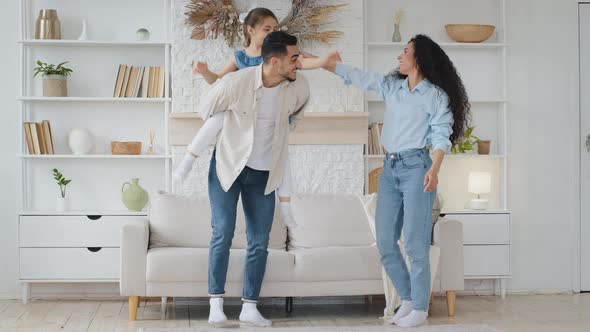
436	67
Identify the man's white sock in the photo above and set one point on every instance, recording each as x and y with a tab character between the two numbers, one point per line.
251	315
402	312
216	315
415	318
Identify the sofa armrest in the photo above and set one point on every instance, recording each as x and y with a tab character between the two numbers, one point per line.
448	235
134	247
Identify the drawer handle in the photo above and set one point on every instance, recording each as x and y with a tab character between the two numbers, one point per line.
94	217
94	249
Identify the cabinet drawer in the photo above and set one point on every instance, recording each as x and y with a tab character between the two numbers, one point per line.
72	231
484	228
486	260
69	263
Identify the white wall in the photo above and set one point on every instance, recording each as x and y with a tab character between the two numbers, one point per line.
543	147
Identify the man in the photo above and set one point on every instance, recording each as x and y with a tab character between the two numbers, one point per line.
249	160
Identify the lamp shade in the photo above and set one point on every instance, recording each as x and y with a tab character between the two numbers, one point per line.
479	182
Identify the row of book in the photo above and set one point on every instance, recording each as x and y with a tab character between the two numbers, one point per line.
39	137
375	146
140	81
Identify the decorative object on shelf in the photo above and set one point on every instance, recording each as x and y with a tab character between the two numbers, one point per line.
469	33
468	142
80	141
47	25
483	146
135	197
142	34
212	18
151	146
374	179
55	82
62	202
83	34
133	148
397	19
479	183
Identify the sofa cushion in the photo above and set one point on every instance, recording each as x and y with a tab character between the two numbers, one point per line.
337	264
172	264
185	221
329	220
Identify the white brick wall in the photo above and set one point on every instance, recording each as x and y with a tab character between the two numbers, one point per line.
315	168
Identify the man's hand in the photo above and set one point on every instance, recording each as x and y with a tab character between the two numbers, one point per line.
200	67
286	215
430	180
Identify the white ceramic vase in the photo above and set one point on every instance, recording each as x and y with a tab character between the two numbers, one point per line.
80	141
62	204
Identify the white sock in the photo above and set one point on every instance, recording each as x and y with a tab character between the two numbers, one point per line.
402	312
415	318
216	315
250	314
184	167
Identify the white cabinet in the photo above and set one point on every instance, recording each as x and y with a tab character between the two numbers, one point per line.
486	245
70	248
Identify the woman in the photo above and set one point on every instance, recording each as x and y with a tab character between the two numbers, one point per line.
426	109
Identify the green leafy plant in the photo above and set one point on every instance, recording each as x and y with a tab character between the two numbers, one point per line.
61	181
51	69
467	143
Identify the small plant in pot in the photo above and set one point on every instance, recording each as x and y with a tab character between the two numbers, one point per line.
62	202
467	143
54	78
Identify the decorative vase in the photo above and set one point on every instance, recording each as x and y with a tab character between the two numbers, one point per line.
134	197
483	146
62	204
47	25
83	34
396	37
55	86
80	141
142	34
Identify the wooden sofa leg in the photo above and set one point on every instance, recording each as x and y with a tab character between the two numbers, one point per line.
133	304
451	296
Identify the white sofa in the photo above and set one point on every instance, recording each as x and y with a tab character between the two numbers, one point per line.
330	253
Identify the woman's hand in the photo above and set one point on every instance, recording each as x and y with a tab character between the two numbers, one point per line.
200	67
330	61
430	180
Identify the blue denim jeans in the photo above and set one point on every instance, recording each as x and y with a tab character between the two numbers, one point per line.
259	212
402	205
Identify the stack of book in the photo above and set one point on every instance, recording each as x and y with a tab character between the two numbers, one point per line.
375	146
39	137
138	81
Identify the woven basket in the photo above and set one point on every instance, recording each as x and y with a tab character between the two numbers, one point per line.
469	33
374	179
125	147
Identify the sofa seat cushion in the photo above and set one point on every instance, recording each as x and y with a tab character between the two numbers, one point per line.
173	264
337	264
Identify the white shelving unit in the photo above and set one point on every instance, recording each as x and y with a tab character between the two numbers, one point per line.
483	69
92	105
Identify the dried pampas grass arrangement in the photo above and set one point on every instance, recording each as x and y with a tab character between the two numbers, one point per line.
214	18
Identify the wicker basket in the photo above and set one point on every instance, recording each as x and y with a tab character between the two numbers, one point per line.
469	33
125	147
374	179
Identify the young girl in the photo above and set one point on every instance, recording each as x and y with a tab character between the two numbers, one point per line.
425	106
258	23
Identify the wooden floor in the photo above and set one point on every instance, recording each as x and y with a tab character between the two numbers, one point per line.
539	313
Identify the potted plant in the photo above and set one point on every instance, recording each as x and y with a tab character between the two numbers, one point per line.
62	202
54	78
469	141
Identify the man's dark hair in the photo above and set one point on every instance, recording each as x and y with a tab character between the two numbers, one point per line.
275	44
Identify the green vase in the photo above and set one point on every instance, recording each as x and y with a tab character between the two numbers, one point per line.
396	37
134	197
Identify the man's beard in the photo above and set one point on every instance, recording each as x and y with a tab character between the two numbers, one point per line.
286	77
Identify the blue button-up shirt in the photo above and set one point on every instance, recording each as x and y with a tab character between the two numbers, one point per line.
413	119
